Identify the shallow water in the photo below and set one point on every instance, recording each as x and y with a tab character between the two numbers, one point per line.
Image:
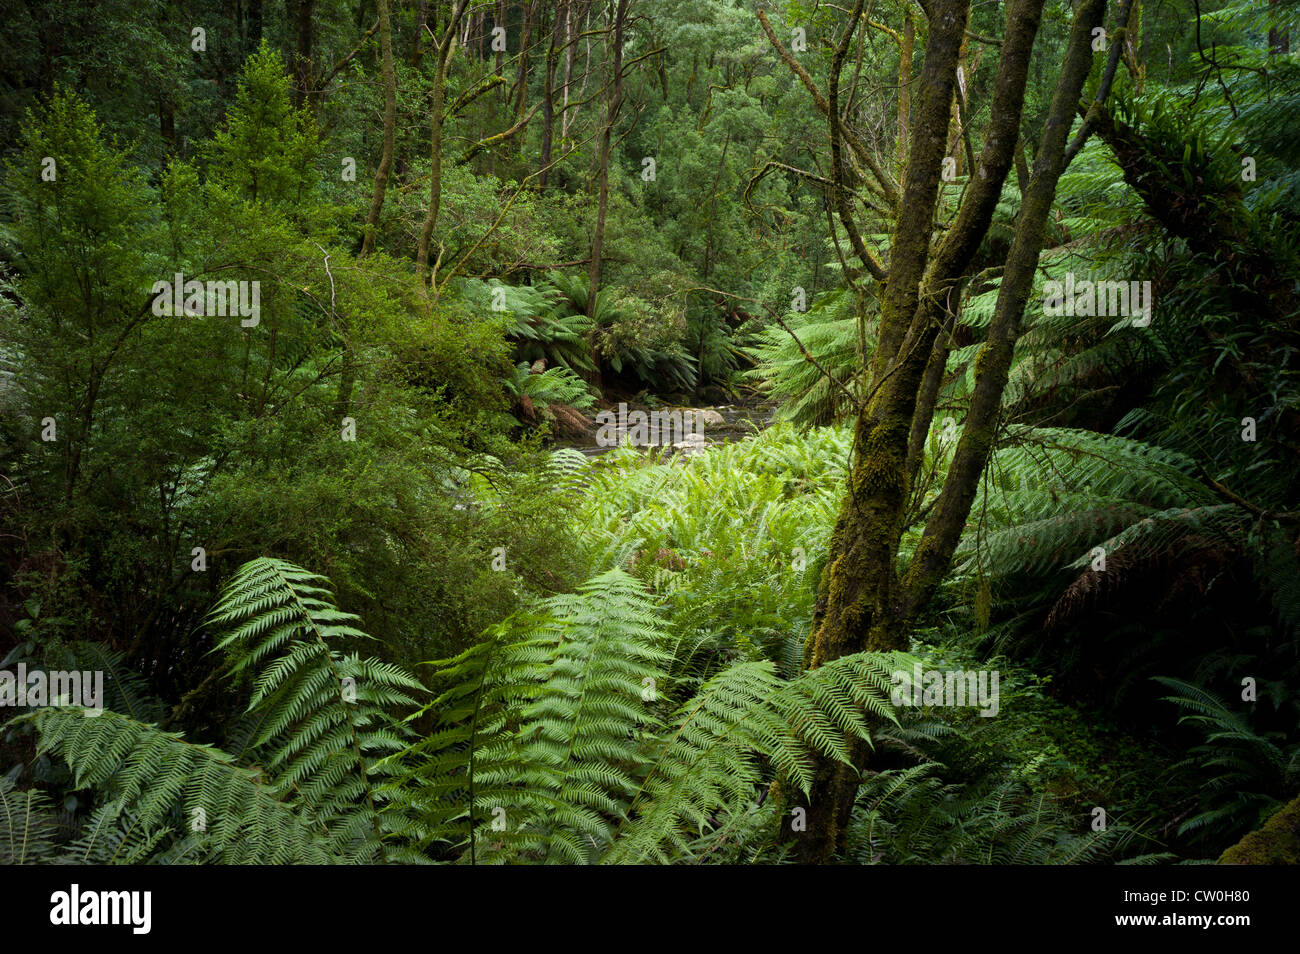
738	422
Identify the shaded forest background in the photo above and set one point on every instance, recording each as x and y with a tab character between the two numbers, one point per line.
474	225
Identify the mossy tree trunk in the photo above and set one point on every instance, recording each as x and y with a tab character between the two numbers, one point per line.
864	603
943	530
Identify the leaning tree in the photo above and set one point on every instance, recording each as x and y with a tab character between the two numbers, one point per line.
866	599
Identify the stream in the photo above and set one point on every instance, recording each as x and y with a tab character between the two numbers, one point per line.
720	424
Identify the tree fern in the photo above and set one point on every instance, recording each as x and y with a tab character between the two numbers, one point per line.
964	800
744	718
113	836
125	690
554	385
552	747
579	733
305	785
321	719
535	750
169	783
1249	772
832	333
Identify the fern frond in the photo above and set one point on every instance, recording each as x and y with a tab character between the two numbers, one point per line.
27	826
167	782
742	718
323	726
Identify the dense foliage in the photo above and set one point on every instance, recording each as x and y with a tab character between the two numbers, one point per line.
358	596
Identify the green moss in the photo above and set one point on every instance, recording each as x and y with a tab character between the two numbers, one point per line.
880	468
1277	843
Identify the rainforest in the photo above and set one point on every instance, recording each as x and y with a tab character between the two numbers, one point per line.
738	432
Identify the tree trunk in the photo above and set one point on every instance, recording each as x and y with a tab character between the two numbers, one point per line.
446	44
572	51
390	129
612	105
861	604
933	556
1279	41
301	15
521	79
713	208
417	39
905	83
852	607
548	95
501	54
253	34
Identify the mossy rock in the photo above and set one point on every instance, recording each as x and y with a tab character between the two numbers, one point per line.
1277	843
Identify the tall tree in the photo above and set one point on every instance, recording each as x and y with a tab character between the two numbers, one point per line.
558	23
446	43
864	603
613	103
390	129
301	15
